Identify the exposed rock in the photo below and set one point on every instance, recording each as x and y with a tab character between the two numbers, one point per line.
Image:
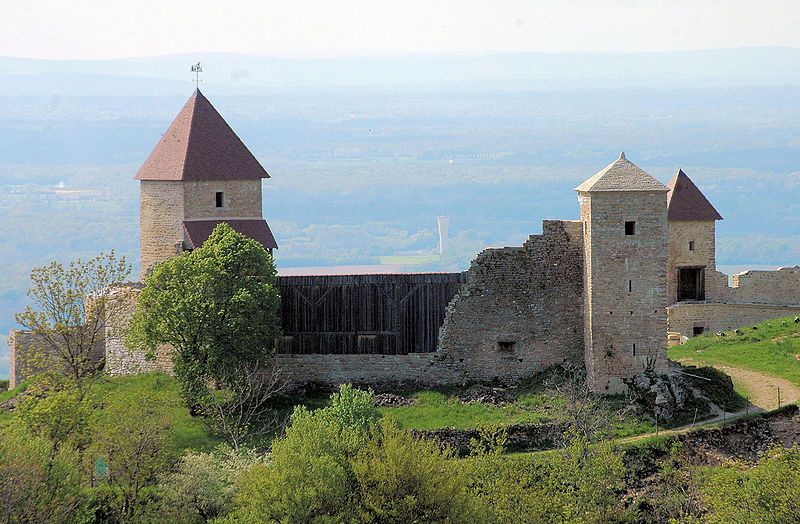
390	400
487	395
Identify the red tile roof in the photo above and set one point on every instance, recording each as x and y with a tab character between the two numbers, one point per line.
197	231
200	145
686	202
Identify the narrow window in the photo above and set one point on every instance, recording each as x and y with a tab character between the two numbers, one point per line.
630	228
691	245
220	199
634	350
630	286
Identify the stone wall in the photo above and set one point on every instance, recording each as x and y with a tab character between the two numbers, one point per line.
713	317
781	287
519	312
30	354
160	221
120	360
242	199
702	253
625	317
521	308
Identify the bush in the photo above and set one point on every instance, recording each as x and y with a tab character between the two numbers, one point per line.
766	493
38	482
202	486
3	385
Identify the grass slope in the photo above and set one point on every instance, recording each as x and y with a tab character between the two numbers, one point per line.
187	432
772	347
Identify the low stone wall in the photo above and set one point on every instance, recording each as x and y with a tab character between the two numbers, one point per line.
781	287
684	317
29	354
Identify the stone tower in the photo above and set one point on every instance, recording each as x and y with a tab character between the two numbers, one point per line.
198	175
624	215
691	274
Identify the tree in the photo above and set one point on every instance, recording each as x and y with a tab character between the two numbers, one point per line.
130	449
243	411
73	304
216	306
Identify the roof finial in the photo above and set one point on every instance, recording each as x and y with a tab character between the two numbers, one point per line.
197	69
622	156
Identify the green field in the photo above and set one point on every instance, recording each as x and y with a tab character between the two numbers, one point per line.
773	347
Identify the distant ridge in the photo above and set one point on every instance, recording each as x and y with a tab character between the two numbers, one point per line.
237	72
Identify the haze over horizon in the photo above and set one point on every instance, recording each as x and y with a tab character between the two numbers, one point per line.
95	29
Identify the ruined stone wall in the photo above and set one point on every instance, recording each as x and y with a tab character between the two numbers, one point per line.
242	199
519	312
626	296
120	360
521	309
30	354
781	287
713	317
160	217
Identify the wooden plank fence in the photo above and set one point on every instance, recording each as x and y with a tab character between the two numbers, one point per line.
364	314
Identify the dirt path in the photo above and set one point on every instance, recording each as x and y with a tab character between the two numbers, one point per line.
762	388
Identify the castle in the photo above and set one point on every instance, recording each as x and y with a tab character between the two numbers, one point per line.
603	291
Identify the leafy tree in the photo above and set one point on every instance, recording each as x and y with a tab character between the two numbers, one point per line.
130	449
73	304
38	481
243	411
217	306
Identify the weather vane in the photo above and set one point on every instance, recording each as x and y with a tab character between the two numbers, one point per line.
197	69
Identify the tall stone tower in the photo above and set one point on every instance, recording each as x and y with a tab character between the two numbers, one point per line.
691	274
198	175
624	215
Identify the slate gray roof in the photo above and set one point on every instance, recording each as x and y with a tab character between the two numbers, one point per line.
622	175
686	202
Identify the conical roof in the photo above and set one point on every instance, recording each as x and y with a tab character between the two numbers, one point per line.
686	202
200	145
621	175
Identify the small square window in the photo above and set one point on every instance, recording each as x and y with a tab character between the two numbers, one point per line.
505	345
630	228
691	245
698	330
220	199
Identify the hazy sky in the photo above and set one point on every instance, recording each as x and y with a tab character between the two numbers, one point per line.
113	28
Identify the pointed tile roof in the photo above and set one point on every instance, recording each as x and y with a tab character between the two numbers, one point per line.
686	202
621	175
200	145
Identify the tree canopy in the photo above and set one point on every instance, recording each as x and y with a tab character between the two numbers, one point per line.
217	306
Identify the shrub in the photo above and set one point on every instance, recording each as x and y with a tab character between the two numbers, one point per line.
202	486
766	493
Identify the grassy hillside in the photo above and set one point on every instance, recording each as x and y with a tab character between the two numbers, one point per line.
772	347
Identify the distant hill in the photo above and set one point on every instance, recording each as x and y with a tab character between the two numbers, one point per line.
237	73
